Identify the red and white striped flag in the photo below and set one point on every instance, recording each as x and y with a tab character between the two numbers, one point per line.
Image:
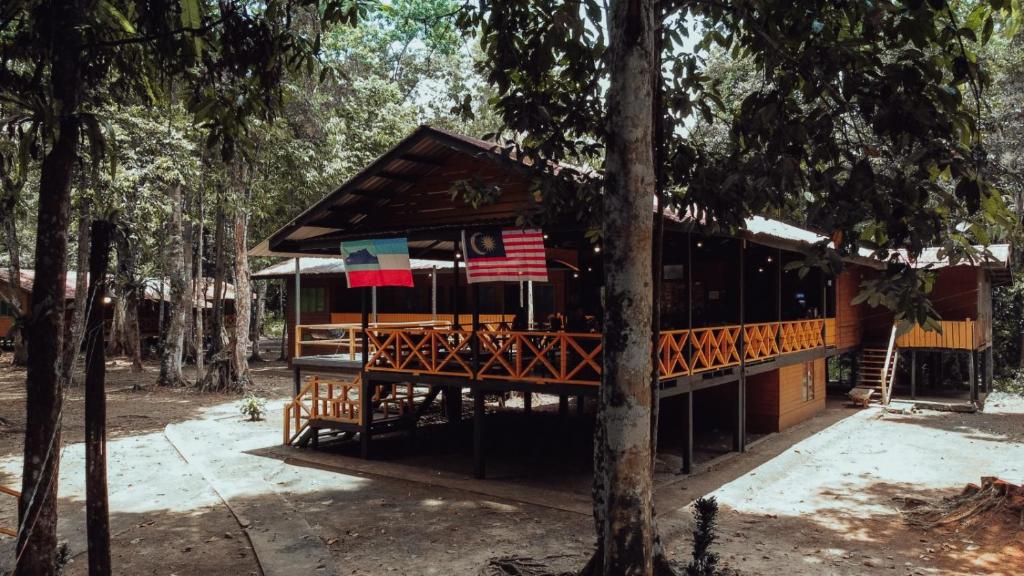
510	255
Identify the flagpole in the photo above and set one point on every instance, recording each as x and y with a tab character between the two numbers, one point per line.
373	295
433	293
529	304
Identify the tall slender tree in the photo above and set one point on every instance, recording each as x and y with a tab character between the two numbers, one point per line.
97	509
180	294
57	61
866	114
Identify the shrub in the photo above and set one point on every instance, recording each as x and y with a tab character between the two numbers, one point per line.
705	562
253	406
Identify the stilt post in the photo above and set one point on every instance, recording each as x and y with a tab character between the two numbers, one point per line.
688	434
913	374
479	469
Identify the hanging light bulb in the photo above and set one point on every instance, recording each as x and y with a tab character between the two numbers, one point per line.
597	249
700	244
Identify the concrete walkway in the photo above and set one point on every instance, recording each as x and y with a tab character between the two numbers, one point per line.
216	446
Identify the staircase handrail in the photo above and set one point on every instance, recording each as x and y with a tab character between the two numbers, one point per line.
886	387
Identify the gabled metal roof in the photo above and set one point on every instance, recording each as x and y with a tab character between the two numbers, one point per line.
408	191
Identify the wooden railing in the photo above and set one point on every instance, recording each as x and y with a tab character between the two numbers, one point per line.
423	351
344	339
575	358
956	334
799	335
542	357
4	530
340	401
490	321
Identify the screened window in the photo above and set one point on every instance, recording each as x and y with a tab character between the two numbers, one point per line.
808	381
313	300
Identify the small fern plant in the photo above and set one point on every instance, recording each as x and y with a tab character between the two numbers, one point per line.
705	562
253	406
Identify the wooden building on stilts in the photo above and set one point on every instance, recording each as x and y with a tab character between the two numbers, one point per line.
744	338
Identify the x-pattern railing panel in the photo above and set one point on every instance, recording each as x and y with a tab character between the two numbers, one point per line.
426	351
543	357
801	335
575	358
761	341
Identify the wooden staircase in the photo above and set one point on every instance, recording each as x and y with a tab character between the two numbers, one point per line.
335	405
877	368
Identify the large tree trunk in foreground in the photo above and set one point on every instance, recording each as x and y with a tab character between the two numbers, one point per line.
623	504
37	507
181	297
243	293
97	514
73	346
14	272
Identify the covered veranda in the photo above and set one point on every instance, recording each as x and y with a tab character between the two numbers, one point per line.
730	308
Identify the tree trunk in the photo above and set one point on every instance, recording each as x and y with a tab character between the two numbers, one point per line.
97	517
188	350
130	288
180	296
623	505
115	340
73	346
257	320
14	271
199	288
243	298
37	507
218	375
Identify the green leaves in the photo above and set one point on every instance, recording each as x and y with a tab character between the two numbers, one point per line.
102	141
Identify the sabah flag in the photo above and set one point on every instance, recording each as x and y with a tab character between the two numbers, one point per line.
512	255
381	262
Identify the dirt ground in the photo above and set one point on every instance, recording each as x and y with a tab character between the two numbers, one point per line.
193	487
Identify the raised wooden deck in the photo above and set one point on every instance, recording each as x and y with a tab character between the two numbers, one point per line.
955	335
565	358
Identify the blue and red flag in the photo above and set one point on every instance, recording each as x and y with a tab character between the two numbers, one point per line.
379	262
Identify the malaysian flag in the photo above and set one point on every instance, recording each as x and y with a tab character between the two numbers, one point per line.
513	255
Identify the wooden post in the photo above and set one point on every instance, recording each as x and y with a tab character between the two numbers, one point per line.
971	376
366	414
456	287
740	433
913	374
479	470
689	297
989	368
563	406
365	389
528	402
296	379
474	338
364	321
778	299
298	293
688	434
433	293
579	405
